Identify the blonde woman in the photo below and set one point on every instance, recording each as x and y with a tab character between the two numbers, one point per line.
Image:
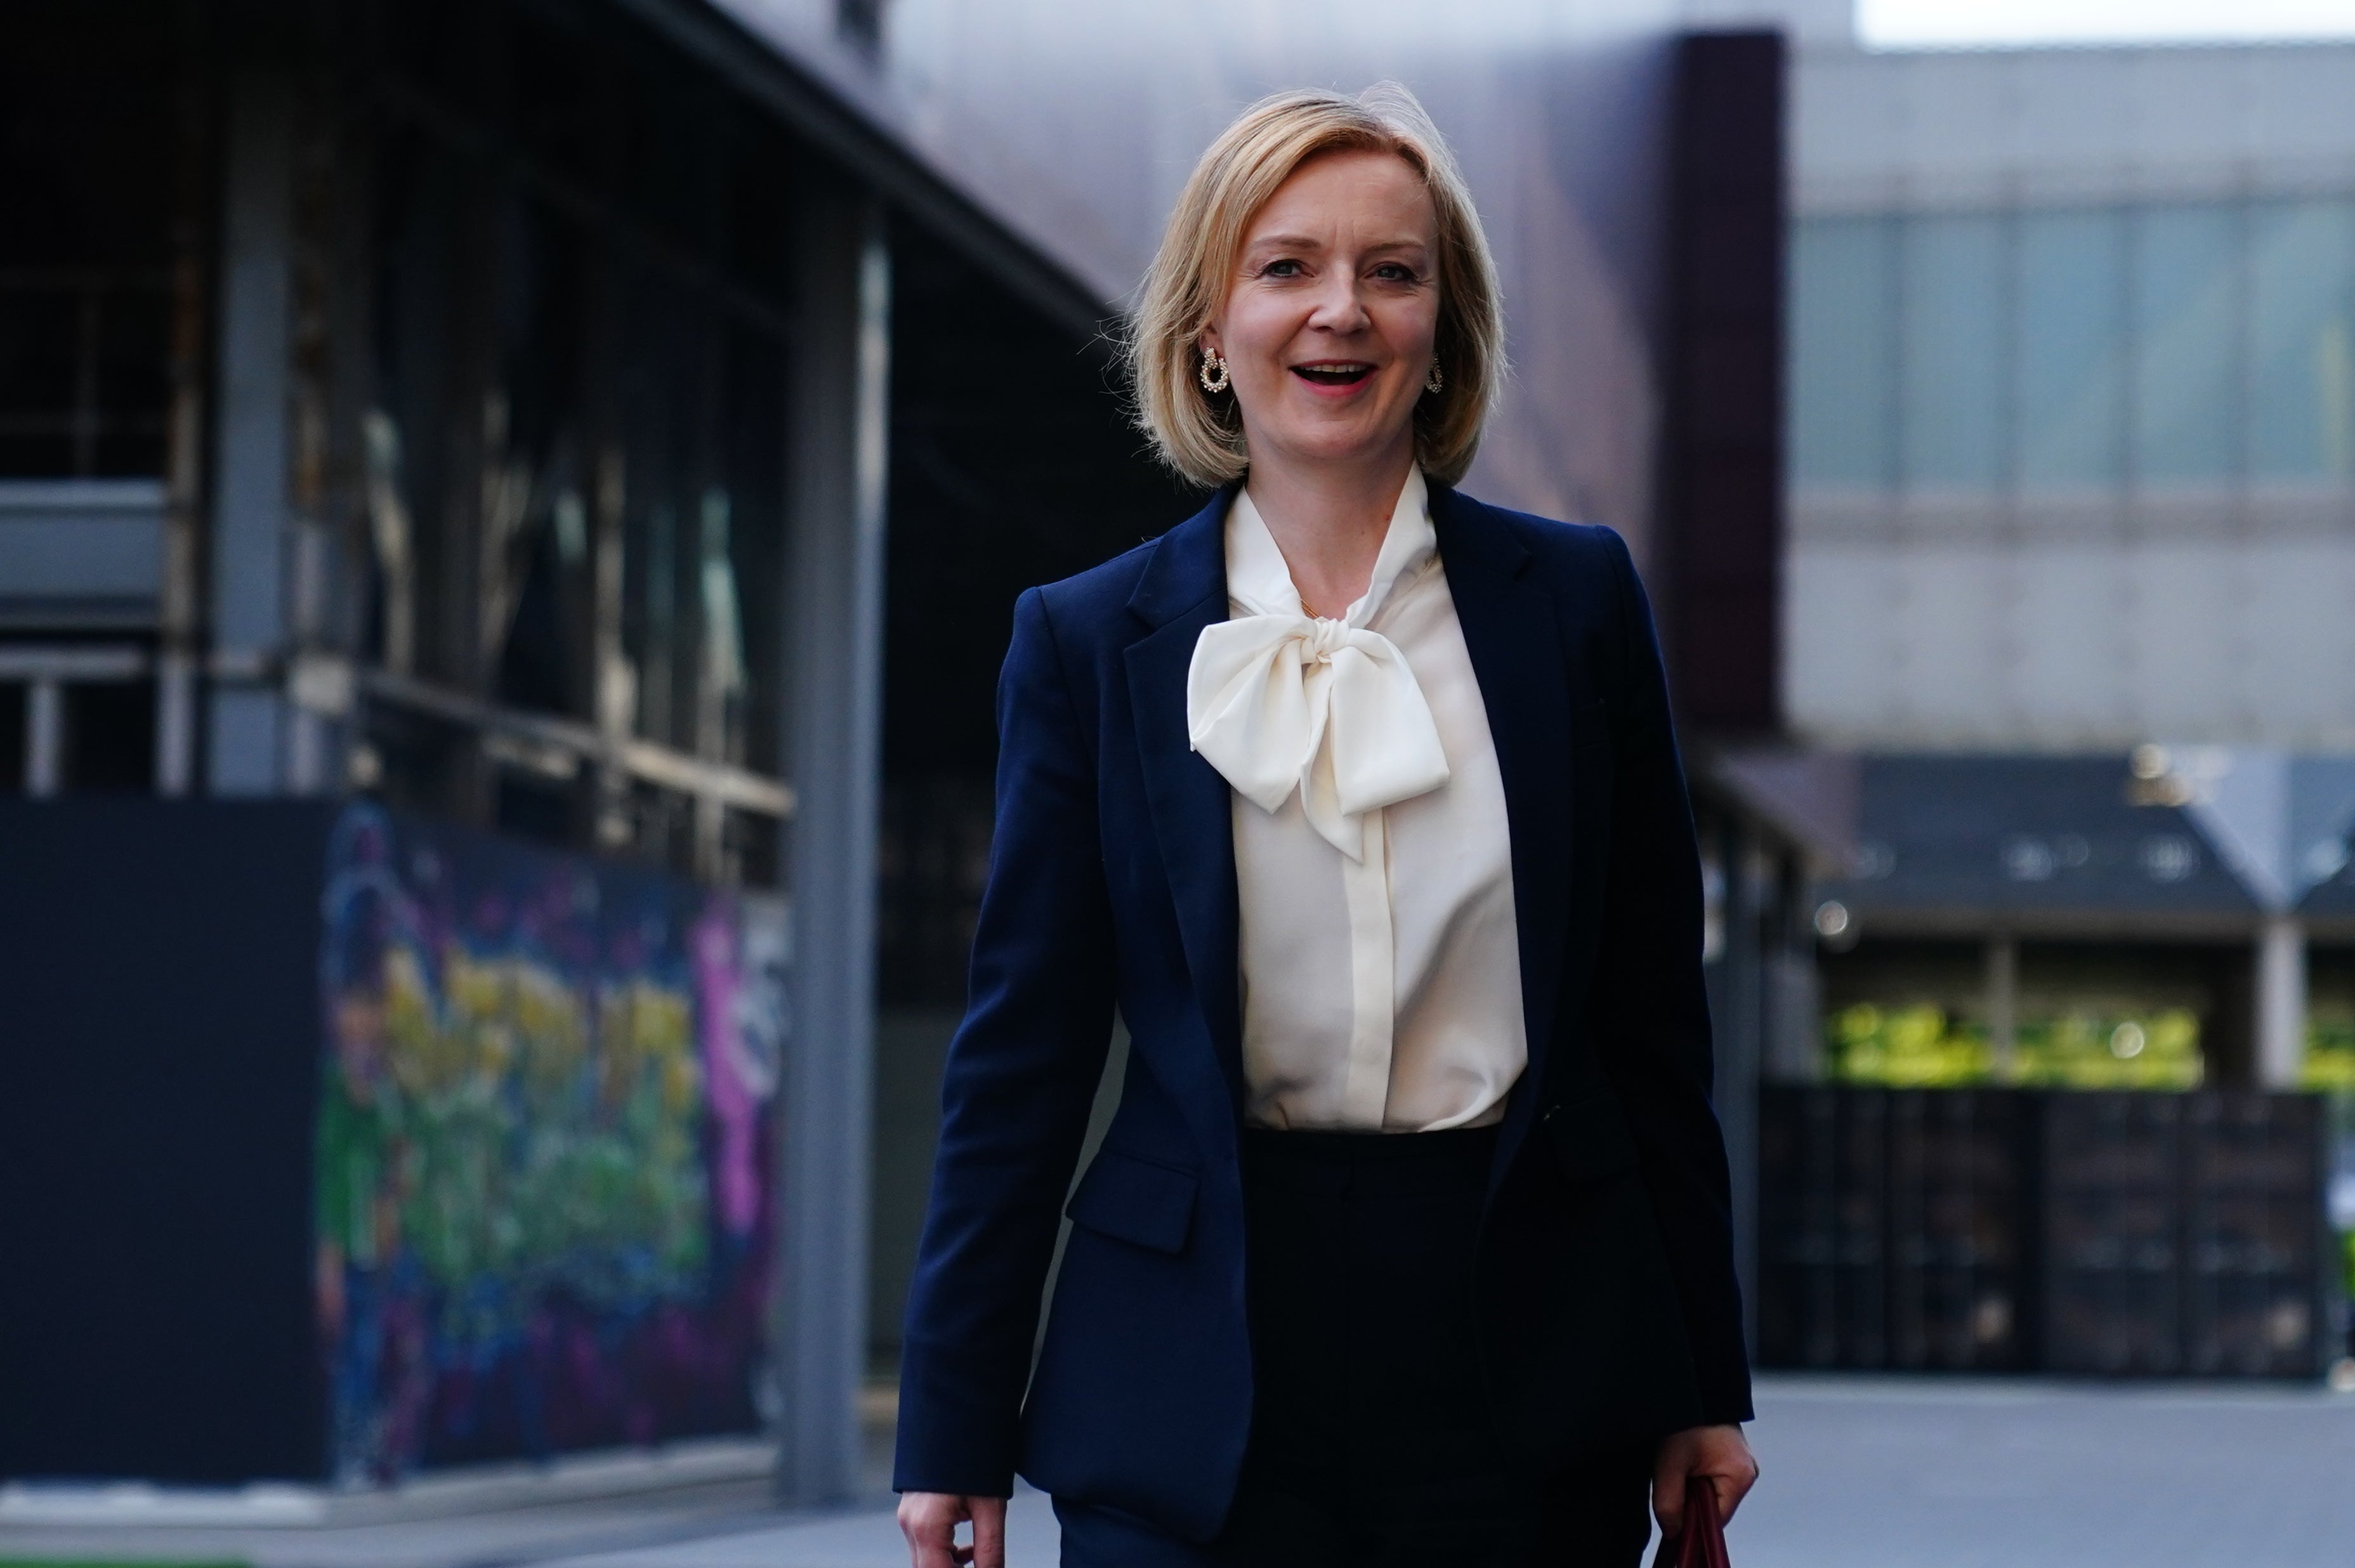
1358	800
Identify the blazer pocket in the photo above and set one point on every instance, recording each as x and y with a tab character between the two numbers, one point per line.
1589	1138
1136	1200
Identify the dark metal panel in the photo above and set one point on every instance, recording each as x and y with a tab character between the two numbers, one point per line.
158	1086
1721	488
2121	1235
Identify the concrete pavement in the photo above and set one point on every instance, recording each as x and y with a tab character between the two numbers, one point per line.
1890	1473
1868	1472
1860	1472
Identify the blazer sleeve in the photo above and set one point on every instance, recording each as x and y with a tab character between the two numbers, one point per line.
1650	1002
1021	1076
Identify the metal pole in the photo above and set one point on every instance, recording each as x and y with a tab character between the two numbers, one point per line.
246	727
2003	1006
44	737
180	603
840	434
2281	1003
1737	1020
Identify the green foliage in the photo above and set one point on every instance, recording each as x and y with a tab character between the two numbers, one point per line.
2329	1050
2103	1051
1918	1047
1921	1046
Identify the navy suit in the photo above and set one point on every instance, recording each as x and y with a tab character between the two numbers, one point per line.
1606	1290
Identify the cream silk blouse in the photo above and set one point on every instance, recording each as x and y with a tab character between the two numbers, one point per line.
1382	981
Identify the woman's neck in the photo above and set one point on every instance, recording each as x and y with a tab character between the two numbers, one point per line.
1329	519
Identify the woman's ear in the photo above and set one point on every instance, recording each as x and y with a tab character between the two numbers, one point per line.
1207	342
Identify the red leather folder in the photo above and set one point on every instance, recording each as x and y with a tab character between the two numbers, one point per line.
1701	1543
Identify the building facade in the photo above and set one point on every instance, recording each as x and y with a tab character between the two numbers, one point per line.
476	423
2068	477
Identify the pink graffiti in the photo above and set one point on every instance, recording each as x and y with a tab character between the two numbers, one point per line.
734	1105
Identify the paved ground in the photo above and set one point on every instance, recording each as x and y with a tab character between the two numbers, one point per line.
1922	1474
489	1539
1860	1473
866	1540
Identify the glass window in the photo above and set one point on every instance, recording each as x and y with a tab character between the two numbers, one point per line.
755	462
668	414
1843	358
2302	370
2192	343
1951	346
410	436
572	444
86	254
2186	312
2068	360
535	584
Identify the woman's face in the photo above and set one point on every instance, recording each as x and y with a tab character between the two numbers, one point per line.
1330	313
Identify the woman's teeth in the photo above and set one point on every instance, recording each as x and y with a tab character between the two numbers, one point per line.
1342	375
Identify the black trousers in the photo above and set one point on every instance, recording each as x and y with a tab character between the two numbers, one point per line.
1370	1441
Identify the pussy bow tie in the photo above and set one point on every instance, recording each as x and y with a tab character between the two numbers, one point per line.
1279	703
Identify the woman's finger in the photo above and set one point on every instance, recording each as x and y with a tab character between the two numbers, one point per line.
1669	1490
989	1532
1730	1476
932	1534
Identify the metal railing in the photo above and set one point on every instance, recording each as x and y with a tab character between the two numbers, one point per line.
333	686
44	670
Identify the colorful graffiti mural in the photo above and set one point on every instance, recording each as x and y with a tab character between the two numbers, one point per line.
544	1219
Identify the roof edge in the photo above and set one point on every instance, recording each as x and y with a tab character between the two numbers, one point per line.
817	111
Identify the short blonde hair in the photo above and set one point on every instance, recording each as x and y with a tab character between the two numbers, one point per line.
1201	434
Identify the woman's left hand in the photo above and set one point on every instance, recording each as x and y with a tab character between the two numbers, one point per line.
1720	1453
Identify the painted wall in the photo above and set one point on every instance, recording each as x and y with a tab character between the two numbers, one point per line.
544	1205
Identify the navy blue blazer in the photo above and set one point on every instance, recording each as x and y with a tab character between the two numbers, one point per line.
1608	1305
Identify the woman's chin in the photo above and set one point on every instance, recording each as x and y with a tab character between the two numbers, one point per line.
1338	438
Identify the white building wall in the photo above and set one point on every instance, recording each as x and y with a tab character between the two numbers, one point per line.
2010	640
2014	613
1884	132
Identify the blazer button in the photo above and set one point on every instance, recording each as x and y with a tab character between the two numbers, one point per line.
1550	1113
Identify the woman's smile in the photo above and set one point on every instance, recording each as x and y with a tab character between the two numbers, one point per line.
1335	378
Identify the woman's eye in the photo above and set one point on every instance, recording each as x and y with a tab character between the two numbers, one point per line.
1394	272
1284	269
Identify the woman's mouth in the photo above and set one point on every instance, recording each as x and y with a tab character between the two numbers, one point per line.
1333	373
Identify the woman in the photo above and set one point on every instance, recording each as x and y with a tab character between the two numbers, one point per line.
1358	800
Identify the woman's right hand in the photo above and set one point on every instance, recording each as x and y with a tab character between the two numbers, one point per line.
928	1521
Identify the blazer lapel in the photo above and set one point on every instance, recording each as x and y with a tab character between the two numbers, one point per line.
1509	630
1184	589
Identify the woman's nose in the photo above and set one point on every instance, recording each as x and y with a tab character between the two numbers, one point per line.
1339	308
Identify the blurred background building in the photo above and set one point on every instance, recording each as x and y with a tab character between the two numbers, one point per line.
2069	588
2072	471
